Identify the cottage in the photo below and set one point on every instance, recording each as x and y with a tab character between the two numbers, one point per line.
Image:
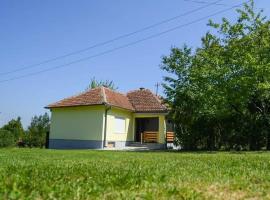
101	118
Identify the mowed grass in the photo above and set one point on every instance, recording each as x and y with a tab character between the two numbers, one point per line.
85	174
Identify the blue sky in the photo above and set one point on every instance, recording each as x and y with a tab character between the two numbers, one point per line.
33	31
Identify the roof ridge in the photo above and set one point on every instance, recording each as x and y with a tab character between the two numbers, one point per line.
114	91
72	96
137	90
103	94
136	100
146	101
159	100
152	93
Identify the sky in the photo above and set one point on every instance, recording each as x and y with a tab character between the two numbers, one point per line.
33	31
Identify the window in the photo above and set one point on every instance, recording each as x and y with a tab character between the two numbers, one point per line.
120	125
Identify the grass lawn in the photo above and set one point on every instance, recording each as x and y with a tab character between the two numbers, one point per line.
85	174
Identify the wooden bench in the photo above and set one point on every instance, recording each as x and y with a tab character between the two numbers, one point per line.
170	137
150	137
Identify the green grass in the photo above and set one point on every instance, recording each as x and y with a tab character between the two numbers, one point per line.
85	174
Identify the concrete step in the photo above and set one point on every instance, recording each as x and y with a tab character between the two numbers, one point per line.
145	145
136	144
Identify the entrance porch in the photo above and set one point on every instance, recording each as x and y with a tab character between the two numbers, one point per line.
147	130
150	128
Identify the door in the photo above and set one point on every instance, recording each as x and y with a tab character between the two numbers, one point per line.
139	124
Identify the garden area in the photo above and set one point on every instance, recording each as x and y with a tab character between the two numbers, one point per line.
88	174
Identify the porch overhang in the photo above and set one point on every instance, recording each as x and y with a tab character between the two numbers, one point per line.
141	114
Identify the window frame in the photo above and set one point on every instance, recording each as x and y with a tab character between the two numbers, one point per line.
115	125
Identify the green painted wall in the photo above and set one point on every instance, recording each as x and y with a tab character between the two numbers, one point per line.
77	123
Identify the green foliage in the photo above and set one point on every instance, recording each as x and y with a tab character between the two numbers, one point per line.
6	138
85	174
35	136
36	133
220	93
107	83
15	127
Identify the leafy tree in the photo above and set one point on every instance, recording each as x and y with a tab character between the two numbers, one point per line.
219	93
36	132
107	83
6	138
14	127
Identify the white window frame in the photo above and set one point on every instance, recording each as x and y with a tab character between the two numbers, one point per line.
120	126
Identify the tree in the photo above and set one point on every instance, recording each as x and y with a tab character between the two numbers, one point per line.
15	128
36	132
219	93
107	83
6	138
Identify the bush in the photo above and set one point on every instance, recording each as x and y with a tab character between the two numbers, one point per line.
6	138
35	136
34	139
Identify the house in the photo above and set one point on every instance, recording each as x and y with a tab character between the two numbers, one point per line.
101	118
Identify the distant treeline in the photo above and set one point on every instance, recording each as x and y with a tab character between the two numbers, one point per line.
219	93
13	134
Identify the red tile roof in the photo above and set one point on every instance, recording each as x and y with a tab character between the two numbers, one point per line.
91	97
142	100
117	99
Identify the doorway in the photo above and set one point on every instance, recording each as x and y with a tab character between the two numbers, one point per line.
148	124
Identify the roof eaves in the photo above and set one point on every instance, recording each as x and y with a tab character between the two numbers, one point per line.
68	106
151	111
132	110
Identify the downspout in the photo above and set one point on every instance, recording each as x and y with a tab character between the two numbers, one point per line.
107	108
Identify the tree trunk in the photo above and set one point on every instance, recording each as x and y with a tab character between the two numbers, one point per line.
267	128
268	140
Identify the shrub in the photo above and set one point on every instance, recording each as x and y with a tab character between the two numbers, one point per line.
6	138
